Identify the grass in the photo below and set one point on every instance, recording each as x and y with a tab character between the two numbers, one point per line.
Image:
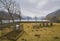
43	34
6	28
0	33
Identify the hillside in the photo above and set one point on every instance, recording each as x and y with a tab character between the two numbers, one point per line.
5	16
54	16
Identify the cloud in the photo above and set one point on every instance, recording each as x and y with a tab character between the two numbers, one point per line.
27	13
32	1
41	3
51	5
38	7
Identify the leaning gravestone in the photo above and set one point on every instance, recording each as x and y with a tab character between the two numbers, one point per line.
17	27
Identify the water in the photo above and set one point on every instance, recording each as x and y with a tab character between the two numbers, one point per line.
7	21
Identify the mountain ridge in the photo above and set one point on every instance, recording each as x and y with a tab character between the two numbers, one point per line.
54	16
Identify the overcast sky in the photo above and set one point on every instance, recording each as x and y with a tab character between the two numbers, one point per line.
38	7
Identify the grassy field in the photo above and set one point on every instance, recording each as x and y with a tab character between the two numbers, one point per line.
41	34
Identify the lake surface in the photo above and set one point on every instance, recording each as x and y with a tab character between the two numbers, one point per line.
7	21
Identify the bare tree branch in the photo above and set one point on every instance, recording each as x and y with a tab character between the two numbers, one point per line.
10	6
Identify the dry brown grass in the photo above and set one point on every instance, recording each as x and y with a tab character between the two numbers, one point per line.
41	34
46	33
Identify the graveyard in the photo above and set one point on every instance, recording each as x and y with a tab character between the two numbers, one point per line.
49	33
29	20
33	31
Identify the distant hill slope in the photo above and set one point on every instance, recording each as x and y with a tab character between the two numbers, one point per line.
4	16
54	16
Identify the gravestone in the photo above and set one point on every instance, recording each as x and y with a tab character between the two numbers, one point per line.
40	25
51	24
43	24
17	27
47	24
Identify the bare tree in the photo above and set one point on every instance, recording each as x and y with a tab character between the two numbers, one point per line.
10	6
19	15
18	11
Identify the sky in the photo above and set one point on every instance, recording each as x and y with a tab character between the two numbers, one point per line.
38	8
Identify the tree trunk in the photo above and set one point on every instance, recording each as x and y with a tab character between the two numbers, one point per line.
10	14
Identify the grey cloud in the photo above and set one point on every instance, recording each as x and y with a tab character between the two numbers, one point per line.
30	6
51	5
